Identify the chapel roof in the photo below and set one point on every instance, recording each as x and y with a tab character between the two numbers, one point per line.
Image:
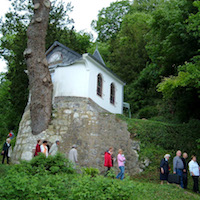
56	43
97	55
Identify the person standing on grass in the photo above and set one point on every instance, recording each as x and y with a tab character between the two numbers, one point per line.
44	148
108	160
185	179
164	169
194	171
37	148
54	148
121	160
5	151
178	166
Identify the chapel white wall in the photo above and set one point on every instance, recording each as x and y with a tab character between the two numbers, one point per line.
104	101
71	81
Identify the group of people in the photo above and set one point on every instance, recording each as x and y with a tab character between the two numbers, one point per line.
180	167
43	147
109	162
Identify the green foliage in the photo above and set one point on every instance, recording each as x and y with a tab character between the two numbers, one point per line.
5	106
90	171
147	112
109	20
42	165
142	92
36	180
4	169
146	6
158	192
187	85
35	187
17	185
167	136
168	40
102	188
111	173
193	22
188	77
128	49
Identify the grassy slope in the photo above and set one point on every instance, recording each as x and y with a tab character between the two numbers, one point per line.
157	139
142	190
154	191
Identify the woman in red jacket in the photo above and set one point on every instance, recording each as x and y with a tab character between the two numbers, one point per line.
37	148
108	159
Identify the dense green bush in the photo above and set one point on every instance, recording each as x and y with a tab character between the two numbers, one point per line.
166	135
90	171
42	165
45	179
63	187
148	112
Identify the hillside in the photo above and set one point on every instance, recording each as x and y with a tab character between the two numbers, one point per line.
158	138
63	183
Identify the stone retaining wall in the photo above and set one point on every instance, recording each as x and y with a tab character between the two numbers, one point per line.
80	121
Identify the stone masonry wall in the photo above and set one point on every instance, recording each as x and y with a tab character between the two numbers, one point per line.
80	121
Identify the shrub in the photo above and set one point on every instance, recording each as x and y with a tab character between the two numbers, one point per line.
21	185
41	164
101	188
148	112
166	135
90	171
111	173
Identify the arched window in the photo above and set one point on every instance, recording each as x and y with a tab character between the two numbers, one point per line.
112	93
99	85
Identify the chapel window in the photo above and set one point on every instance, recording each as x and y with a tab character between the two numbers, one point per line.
112	93
99	85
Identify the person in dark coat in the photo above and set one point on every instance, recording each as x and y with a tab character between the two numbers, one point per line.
164	168
37	148
185	170
108	159
6	147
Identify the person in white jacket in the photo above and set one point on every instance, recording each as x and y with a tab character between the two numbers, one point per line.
194	171
54	148
73	155
44	148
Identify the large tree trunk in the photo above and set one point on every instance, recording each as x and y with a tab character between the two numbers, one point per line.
39	77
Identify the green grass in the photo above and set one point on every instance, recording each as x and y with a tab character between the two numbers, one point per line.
155	191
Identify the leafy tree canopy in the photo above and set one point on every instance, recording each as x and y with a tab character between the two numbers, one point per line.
110	19
188	77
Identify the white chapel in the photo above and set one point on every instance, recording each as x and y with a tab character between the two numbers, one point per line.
85	76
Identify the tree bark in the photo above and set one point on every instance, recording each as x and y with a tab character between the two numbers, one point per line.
39	76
